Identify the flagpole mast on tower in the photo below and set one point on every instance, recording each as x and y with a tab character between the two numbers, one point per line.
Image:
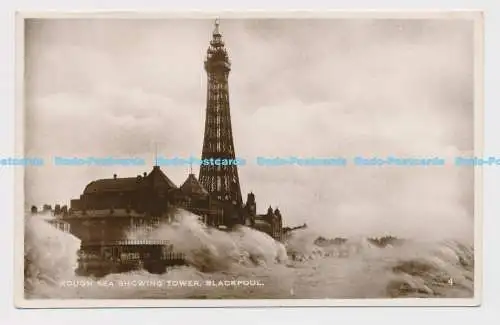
156	154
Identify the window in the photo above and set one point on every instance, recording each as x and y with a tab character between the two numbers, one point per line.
156	221
220	218
130	256
147	225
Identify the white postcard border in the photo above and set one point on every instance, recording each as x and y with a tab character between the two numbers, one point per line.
475	15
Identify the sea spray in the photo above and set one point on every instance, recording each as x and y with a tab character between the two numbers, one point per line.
49	254
209	249
261	248
353	267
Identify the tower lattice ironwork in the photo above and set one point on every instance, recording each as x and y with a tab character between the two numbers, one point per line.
222	181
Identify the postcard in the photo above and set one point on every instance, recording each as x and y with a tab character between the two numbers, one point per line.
208	159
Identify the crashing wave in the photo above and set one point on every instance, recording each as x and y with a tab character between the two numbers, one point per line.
305	266
210	250
49	254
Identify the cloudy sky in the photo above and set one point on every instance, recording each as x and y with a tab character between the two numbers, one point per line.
301	88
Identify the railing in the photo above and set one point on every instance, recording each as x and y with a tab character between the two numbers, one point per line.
174	256
99	213
59	224
128	242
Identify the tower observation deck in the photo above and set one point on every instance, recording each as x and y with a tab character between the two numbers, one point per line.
220	181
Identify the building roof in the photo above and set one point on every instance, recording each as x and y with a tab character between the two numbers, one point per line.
155	178
158	179
111	185
193	186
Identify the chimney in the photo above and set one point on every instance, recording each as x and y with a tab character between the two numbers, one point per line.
145	174
114	176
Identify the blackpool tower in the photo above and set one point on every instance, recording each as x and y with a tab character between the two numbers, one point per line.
221	181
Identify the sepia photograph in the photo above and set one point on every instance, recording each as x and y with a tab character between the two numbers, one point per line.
225	159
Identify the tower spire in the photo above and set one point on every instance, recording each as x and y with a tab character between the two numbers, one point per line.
153	147
216	26
156	154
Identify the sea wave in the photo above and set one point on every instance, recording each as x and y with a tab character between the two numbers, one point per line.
306	265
